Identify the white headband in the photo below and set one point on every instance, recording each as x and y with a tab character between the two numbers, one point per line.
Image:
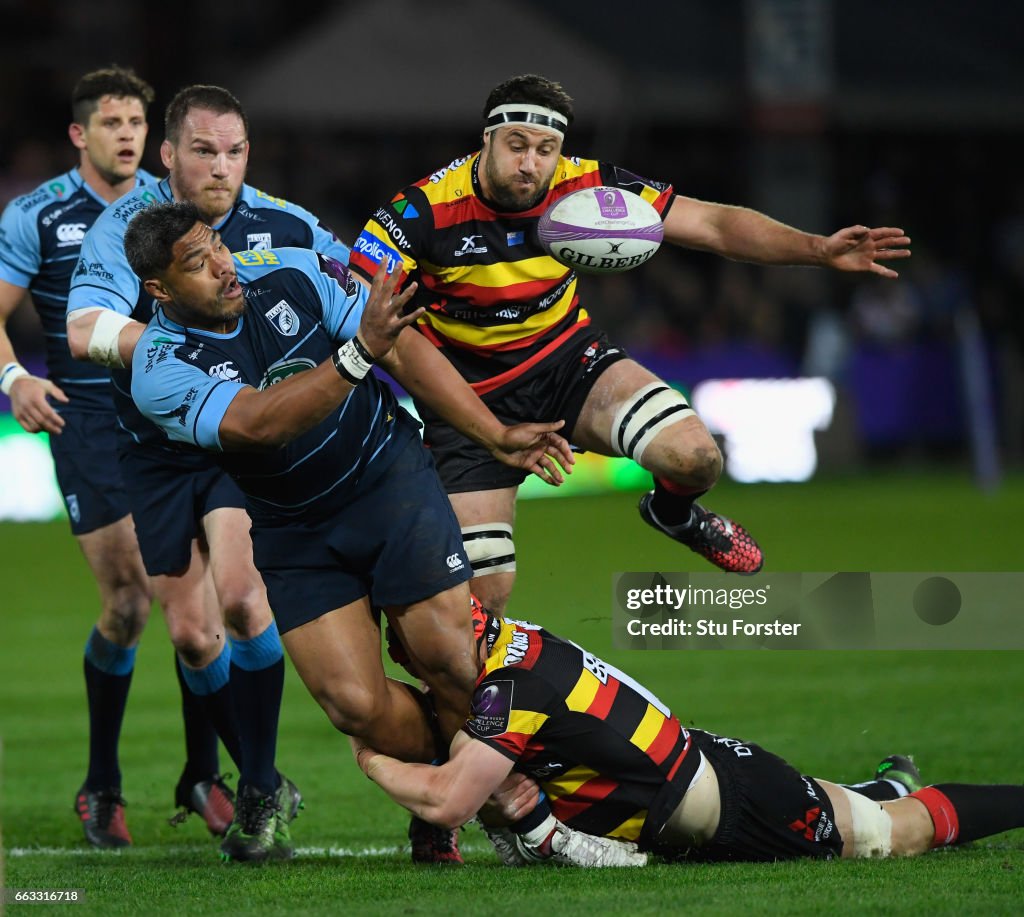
528	116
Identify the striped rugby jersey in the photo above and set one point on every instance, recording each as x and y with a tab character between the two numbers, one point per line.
611	757
496	302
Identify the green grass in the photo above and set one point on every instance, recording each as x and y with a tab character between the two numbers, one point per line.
833	714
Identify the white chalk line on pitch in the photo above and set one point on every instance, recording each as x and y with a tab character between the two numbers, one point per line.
331	852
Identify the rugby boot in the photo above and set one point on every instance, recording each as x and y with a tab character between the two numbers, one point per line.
902	770
212	800
102	815
259	831
431	844
289	799
723	542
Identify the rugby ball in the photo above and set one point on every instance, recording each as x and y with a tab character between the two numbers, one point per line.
601	230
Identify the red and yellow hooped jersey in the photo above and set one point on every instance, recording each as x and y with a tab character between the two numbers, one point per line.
609	754
495	300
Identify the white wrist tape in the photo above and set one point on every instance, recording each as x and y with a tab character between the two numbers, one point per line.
8	374
353	361
103	348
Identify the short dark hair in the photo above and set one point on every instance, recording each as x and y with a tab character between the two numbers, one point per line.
150	237
210	98
533	89
119	82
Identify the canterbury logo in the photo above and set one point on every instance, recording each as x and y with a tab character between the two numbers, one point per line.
454	562
224	371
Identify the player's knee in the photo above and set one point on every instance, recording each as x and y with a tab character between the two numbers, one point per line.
872	827
643	416
352	710
491	552
192	640
125	614
245	609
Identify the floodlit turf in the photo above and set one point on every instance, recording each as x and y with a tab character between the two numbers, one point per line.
832	714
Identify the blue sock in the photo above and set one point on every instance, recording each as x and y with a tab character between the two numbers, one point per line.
213	687
211	678
108	675
257	683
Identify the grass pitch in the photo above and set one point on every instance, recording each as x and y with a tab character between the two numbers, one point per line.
833	714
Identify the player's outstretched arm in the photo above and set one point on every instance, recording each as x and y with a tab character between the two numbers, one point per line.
270	418
747	235
448	795
28	393
427	374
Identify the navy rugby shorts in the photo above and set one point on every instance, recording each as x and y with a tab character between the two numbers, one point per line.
397	542
770	811
88	470
169	493
558	392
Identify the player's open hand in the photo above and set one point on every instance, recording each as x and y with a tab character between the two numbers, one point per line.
383	318
858	248
30	407
537	448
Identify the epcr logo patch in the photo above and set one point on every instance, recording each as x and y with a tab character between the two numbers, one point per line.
283	317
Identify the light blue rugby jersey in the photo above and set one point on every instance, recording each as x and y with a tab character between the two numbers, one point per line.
41	234
300	305
104	278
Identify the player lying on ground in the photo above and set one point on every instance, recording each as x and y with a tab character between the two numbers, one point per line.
242	359
615	763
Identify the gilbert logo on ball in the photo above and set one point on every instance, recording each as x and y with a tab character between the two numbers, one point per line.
601	230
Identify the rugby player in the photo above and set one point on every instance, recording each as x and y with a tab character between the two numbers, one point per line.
40	237
189	515
509	317
348	515
613	761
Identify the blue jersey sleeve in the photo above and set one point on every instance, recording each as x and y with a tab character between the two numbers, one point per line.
102	276
180	398
342	298
20	258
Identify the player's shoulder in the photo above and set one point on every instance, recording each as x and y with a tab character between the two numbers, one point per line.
452	181
254	202
53	192
116	217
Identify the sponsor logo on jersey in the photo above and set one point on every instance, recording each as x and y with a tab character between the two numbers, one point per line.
470	246
454	562
284	369
157	352
57	188
251	215
28	201
181	411
391	227
280	201
441	173
492	708
369	245
404	208
92	269
56	214
258	241
128	209
283	317
70	234
74	511
225	371
517	648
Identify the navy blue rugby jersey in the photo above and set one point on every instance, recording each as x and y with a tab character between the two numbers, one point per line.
300	306
41	234
103	277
